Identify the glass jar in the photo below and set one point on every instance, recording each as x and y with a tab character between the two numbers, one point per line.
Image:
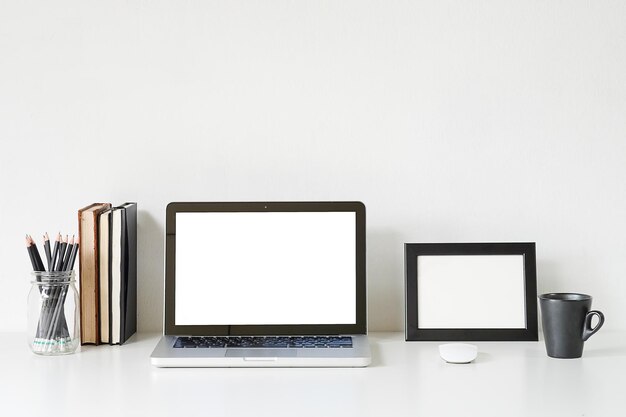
52	319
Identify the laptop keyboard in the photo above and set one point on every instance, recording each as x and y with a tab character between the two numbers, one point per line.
264	342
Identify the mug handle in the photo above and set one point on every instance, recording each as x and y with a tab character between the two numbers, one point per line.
587	330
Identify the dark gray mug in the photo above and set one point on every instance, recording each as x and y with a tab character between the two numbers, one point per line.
566	320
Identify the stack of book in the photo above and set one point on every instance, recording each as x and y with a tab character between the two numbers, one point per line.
108	273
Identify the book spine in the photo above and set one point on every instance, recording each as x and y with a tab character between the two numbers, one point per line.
123	276
81	302
95	295
129	304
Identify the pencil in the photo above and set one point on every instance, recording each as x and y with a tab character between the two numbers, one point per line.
68	254
38	260
62	247
46	248
29	248
43	316
74	253
55	252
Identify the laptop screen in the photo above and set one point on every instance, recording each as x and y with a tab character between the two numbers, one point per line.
261	268
265	268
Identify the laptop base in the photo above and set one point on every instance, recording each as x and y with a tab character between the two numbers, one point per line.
166	356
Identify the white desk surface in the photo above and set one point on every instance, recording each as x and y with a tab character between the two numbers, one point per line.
405	379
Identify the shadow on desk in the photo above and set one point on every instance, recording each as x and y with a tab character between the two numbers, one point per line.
376	355
614	352
483	357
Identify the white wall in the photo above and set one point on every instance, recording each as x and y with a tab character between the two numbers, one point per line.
452	120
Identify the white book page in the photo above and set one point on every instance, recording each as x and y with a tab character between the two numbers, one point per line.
116	274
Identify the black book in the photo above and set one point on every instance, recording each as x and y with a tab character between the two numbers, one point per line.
123	273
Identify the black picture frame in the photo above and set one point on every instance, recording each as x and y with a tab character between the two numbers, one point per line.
413	332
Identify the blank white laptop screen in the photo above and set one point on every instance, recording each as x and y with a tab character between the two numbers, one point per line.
249	268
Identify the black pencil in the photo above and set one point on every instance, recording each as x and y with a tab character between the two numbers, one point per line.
74	253
62	247
38	260
55	251
31	255
46	248
68	255
33	261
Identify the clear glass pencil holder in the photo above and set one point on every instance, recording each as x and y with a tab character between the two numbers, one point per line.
53	313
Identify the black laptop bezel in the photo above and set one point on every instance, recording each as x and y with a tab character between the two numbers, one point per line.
170	328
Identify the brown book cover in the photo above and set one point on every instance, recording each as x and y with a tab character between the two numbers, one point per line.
88	278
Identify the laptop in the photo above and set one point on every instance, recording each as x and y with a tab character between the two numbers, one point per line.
264	284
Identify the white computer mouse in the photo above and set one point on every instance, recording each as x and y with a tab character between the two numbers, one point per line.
458	352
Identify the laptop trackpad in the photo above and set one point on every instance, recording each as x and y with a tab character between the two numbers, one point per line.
260	353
